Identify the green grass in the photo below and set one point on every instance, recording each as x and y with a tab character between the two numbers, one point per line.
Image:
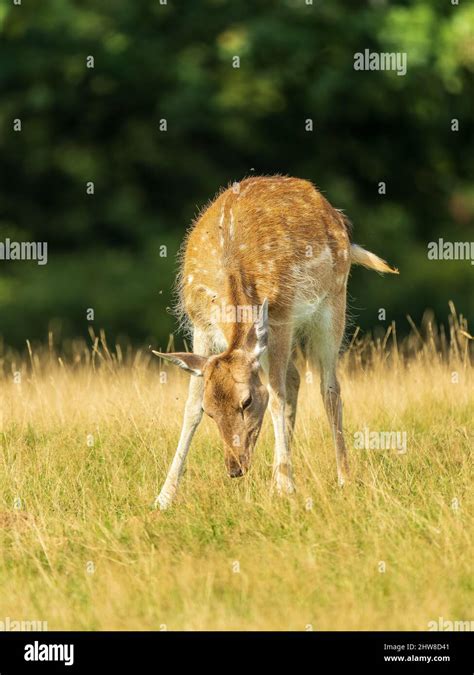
231	554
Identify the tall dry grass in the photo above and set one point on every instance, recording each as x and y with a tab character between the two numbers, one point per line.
86	439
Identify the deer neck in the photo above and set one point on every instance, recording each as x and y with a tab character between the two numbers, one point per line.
238	310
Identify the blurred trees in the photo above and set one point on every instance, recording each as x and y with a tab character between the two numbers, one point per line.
174	62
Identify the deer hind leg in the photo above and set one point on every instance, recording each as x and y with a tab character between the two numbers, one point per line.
292	388
279	349
327	343
331	393
192	417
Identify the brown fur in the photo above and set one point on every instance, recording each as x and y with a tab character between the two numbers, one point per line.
276	219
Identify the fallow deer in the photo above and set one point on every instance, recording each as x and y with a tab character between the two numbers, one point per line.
264	269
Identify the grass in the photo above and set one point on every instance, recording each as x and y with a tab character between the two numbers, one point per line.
85	445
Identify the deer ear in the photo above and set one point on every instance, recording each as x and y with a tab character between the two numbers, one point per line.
257	337
192	363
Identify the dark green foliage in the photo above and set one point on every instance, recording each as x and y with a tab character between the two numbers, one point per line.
174	61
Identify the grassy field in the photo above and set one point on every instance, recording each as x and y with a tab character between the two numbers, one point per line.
85	445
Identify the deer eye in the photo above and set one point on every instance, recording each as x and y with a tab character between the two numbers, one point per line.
246	402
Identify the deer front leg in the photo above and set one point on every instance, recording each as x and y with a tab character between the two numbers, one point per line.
192	417
279	352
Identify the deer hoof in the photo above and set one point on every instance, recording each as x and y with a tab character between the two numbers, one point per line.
283	482
164	501
343	477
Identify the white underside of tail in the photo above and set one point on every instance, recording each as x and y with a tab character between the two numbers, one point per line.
359	256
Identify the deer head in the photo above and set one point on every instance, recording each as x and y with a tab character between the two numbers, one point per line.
234	396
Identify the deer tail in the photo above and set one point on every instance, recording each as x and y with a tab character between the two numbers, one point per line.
359	256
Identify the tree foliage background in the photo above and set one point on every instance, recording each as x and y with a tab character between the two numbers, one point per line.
173	61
